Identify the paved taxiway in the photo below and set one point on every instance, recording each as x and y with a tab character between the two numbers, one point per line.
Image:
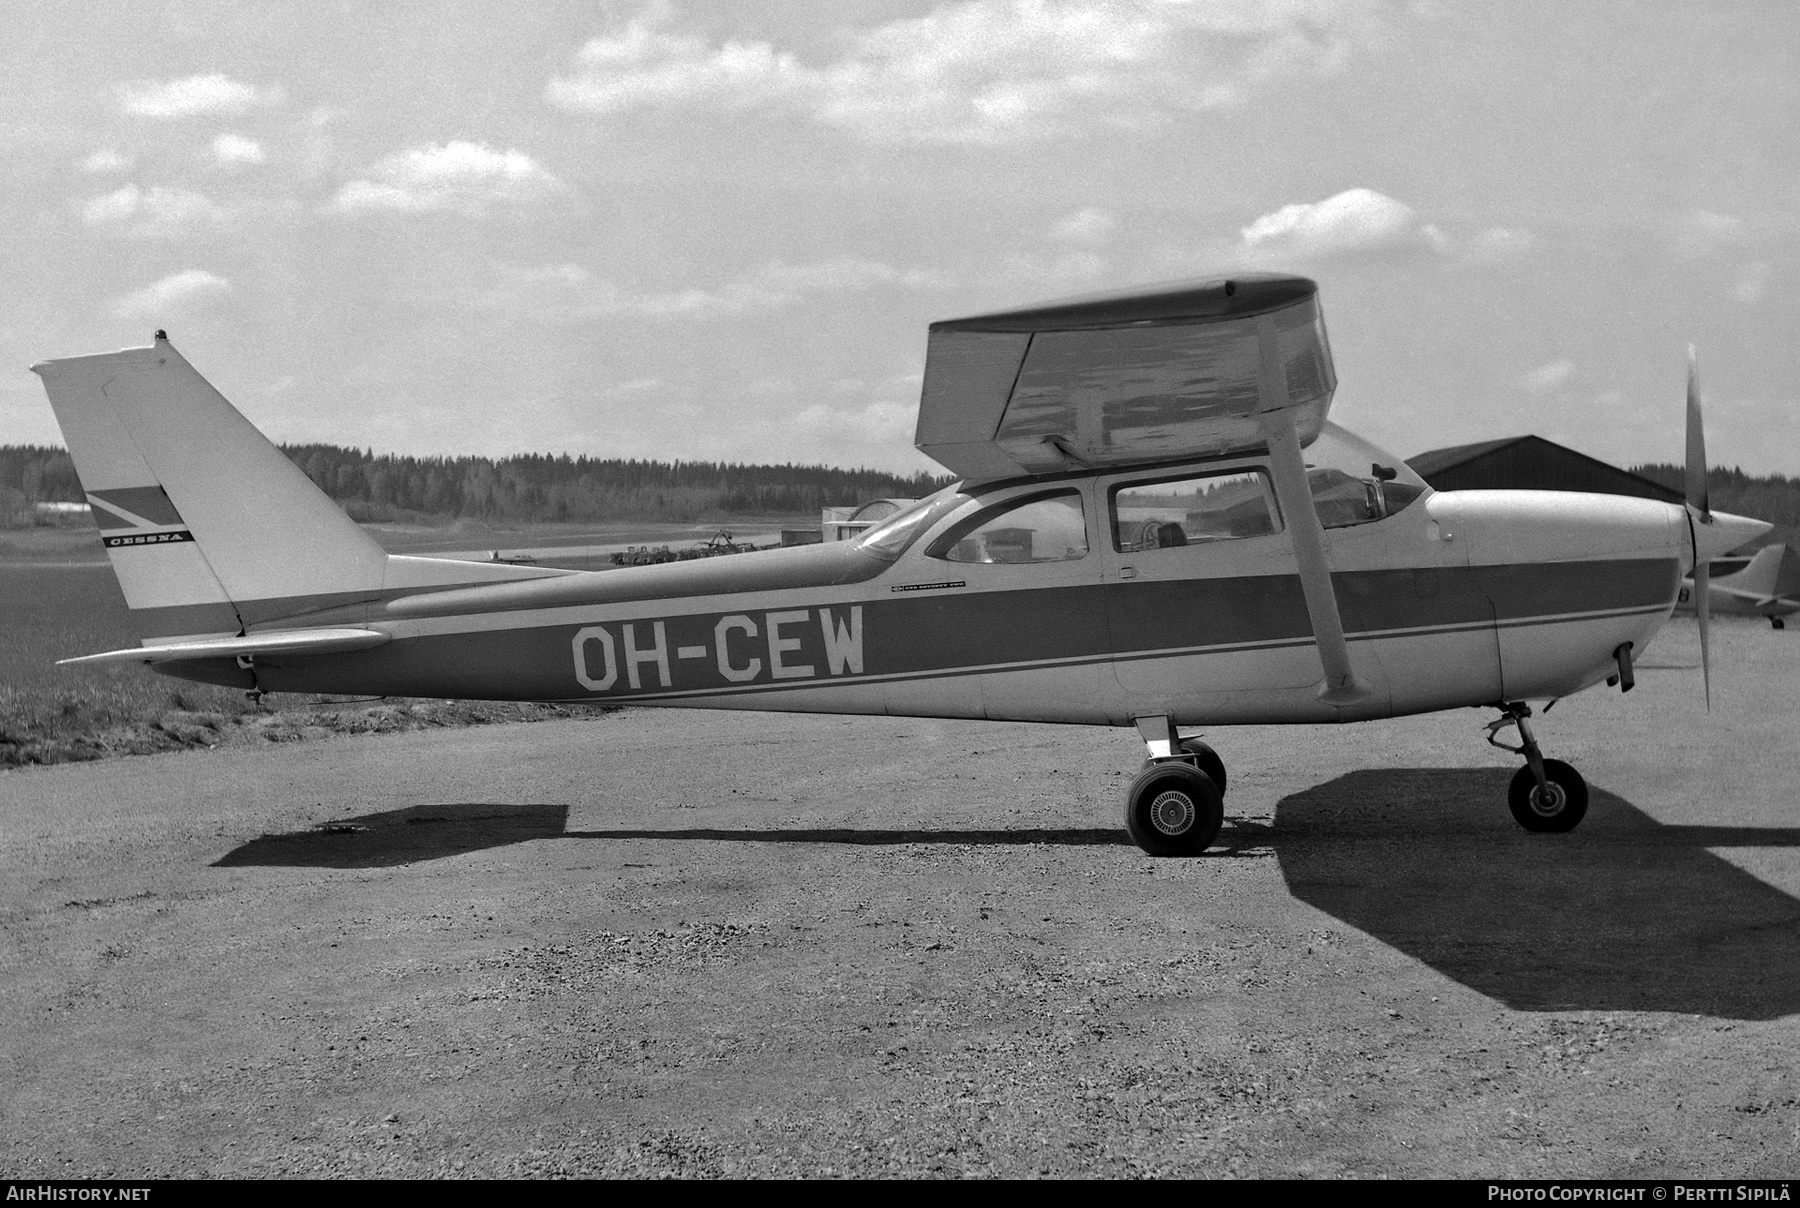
720	943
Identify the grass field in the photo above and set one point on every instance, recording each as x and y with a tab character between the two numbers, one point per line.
58	599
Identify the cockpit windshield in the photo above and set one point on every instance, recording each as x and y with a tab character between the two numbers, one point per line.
889	539
1355	482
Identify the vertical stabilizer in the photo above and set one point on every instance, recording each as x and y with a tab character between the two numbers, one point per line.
208	525
1761	576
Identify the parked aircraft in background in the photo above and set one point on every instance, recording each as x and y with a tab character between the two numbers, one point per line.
1154	525
1747	587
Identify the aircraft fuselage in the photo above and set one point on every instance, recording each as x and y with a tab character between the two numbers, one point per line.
1463	598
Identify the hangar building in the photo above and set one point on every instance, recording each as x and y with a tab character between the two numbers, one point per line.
1530	463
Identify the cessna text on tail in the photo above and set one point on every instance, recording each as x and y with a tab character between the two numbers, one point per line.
1155	526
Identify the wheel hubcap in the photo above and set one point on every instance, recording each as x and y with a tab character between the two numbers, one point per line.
1548	802
1172	812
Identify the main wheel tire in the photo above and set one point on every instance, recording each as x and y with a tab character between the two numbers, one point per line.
1563	808
1173	809
1208	761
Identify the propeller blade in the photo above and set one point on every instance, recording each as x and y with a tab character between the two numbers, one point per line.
1697	497
1703	605
1699	513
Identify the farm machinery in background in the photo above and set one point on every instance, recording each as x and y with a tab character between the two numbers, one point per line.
717	546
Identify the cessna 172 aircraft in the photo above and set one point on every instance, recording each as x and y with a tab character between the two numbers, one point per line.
1746	587
1154	525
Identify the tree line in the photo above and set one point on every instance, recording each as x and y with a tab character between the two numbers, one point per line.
538	487
1773	497
529	487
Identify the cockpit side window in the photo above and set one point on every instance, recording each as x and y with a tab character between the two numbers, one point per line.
1042	528
1191	510
1354	482
1343	501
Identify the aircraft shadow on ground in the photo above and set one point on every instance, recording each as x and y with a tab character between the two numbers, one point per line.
1625	913
405	836
865	837
429	832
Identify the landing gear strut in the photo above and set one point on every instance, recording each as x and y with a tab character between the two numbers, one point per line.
1176	805
1546	794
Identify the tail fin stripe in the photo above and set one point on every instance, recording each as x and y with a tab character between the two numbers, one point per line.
151	505
111	518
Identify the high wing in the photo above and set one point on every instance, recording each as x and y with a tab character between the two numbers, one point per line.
1183	371
1177	371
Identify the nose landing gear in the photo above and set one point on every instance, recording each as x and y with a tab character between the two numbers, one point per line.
1546	795
1176	805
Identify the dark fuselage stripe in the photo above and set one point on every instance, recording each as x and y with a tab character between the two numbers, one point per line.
962	633
1089	661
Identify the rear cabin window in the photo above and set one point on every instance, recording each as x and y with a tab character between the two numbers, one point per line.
1045	528
1193	510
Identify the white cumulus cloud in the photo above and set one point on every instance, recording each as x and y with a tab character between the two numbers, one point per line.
1356	222
104	160
1752	282
193	95
569	292
1086	225
771	287
982	71
151	212
112	207
1710	227
1547	379
463	177
1497	245
174	291
236	149
878	422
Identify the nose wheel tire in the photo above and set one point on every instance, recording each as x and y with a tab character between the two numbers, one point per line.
1173	809
1559	809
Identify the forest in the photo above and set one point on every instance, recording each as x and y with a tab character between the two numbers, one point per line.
535	488
526	488
1773	498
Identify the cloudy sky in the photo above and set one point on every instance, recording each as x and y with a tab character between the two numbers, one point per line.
718	230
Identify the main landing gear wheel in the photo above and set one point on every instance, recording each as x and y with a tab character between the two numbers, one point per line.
1207	760
1173	809
1204	758
1558	806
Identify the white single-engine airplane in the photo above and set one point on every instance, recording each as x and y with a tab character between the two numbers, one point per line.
1746	587
1154	525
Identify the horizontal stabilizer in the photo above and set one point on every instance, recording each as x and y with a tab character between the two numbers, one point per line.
291	641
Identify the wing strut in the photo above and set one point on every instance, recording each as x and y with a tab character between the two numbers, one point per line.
1341	687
